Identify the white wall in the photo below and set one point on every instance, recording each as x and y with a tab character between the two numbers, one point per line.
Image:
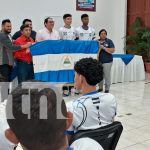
110	14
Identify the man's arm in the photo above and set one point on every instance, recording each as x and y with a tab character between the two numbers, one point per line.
94	34
60	34
6	42
98	53
111	48
108	50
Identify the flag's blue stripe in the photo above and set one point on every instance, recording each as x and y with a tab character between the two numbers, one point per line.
64	46
66	76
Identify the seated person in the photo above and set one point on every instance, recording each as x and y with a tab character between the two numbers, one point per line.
93	109
34	130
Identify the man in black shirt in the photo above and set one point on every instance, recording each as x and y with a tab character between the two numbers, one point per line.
18	33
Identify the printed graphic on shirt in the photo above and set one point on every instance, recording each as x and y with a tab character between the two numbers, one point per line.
92	111
85	34
67	34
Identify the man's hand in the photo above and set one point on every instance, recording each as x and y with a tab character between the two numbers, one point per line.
26	45
27	50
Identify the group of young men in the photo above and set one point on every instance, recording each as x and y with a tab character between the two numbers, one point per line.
67	32
17	47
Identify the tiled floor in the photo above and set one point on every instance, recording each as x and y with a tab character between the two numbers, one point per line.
134	112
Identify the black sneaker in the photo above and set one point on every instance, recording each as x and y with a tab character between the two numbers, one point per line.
77	93
99	90
65	93
106	91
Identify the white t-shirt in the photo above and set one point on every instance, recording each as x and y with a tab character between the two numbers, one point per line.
44	34
80	144
86	144
85	34
92	111
67	33
5	144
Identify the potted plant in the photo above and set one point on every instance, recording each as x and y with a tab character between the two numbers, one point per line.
138	43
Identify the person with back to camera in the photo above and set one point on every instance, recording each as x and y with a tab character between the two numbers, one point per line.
93	109
34	132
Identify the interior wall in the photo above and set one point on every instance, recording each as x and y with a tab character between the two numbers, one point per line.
110	15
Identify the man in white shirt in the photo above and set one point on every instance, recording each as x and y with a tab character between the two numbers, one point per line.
67	32
93	109
85	32
47	33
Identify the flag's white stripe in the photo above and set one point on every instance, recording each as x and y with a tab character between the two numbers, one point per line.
54	62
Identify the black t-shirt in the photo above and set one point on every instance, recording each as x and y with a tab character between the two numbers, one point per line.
18	34
104	56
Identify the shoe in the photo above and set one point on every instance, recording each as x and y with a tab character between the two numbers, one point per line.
65	93
106	91
76	93
99	90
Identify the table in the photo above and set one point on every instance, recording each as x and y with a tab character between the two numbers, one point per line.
54	61
133	71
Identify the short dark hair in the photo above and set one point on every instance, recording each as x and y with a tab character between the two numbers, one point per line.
46	19
66	16
24	26
91	69
102	30
36	133
26	20
6	21
84	15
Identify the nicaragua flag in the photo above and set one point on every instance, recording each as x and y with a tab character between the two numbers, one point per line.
54	59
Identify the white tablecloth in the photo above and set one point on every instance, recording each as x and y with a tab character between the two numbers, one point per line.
134	71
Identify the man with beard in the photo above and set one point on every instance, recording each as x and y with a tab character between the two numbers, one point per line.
7	48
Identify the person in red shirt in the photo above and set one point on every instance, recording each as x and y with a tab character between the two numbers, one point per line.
23	57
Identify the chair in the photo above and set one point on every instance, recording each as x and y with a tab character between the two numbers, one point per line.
107	136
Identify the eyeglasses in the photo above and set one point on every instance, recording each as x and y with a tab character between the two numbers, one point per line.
50	21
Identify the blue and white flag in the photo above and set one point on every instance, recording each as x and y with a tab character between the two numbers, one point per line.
54	59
